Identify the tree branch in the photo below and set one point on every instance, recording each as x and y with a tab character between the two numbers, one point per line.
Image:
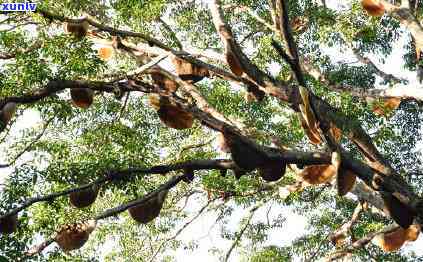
361	243
343	230
326	111
294	61
116	210
29	146
242	230
37	249
180	230
118	175
31	48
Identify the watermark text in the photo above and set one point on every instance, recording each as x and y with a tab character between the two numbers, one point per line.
18	7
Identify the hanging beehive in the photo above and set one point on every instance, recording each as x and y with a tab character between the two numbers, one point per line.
149	210
83	198
398	211
9	224
345	181
77	29
189	72
74	236
373	7
82	97
6	114
170	114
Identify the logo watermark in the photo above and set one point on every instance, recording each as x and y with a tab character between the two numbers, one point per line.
18	7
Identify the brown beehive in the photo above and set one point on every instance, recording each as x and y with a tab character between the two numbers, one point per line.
163	82
321	174
318	174
245	155
373	7
188	71
272	171
336	133
413	232
6	114
82	97
9	224
314	138
171	115
149	210
77	29
398	211
391	241
338	239
175	117
74	236
389	104
105	52
232	61
308	120
345	181
83	198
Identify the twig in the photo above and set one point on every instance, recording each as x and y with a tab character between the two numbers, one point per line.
180	230
38	137
316	251
241	232
172	33
188	147
39	248
145	67
122	110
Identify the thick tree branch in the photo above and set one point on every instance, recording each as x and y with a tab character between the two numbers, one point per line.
117	175
361	243
115	211
324	110
294	61
346	227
